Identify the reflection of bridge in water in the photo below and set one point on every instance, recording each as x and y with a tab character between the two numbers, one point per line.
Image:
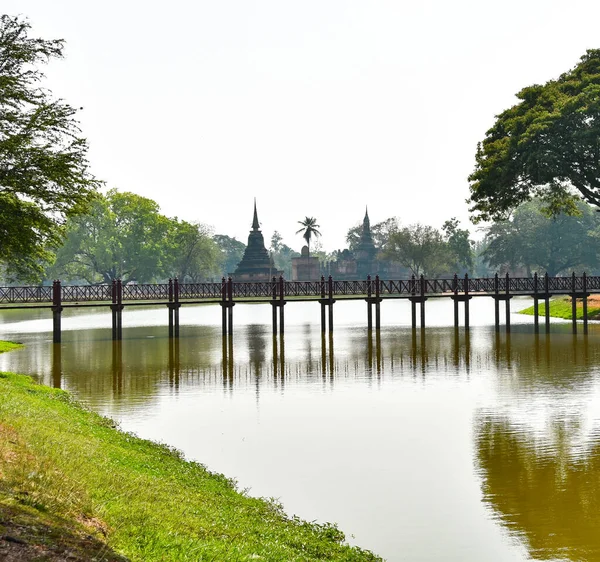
260	359
327	292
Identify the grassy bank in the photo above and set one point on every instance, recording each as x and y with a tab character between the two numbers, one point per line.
73	485
562	308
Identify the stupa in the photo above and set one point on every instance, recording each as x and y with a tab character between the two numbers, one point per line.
366	250
256	264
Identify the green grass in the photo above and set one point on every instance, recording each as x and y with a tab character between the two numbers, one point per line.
562	308
9	346
69	469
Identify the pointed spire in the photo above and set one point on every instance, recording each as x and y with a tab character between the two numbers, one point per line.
255	224
366	221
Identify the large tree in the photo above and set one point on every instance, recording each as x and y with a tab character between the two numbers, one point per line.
124	237
460	247
44	175
421	248
232	251
193	254
556	244
546	145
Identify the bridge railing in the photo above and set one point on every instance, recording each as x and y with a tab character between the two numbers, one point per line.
200	290
274	288
25	294
81	293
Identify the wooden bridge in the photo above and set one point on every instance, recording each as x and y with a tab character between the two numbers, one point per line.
278	292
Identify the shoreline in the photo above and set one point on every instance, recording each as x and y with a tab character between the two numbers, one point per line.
73	486
562	308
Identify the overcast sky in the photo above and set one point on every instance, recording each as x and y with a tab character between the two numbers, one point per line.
316	108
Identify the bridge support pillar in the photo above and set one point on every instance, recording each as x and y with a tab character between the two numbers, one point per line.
227	305
117	310
173	307
497	298
278	311
56	324
413	306
461	298
274	315
370	302
584	304
327	302
56	312
547	303
56	366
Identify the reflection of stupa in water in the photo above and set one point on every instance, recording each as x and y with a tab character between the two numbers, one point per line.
256	264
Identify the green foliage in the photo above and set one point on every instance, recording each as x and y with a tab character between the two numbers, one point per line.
554	245
193	254
545	145
124	237
282	255
44	175
140	498
421	248
232	252
459	245
309	229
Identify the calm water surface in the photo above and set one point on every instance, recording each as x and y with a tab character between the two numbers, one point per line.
434	446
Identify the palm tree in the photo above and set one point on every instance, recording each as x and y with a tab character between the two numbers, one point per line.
309	229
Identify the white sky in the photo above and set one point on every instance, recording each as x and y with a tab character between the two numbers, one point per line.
316	108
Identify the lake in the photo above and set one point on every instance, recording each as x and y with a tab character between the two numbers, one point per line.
434	445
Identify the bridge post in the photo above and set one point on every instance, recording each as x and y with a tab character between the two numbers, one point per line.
573	303
507	303
585	313
117	308
120	310
369	305
377	305
281	303
330	292
467	317
413	304
422	291
113	308
224	305
496	303
56	365
536	320
176	305
230	304
323	325
455	283
56	311
170	308
547	301
274	304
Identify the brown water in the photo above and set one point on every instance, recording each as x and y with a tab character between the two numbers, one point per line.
434	446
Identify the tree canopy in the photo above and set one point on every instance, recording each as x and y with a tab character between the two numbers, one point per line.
309	229
532	240
44	175
123	237
419	247
546	145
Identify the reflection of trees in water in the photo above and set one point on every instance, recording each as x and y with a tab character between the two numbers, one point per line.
547	495
89	364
